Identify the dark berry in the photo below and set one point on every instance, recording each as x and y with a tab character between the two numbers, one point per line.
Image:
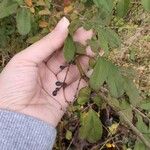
58	83
54	93
57	89
62	67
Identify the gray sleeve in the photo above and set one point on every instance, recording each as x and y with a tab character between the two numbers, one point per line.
22	132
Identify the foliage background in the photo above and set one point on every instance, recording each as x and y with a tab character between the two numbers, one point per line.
133	28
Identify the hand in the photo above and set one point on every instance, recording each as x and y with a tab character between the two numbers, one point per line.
28	81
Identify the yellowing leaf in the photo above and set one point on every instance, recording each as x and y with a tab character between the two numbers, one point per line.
68	9
43	24
44	12
110	145
32	10
68	135
91	127
84	95
40	3
29	3
113	128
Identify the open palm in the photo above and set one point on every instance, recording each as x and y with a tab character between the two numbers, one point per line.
29	82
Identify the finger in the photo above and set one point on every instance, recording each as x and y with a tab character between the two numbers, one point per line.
56	61
73	89
72	73
46	46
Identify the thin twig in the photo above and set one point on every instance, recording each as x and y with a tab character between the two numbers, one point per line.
64	82
126	120
74	136
142	114
81	71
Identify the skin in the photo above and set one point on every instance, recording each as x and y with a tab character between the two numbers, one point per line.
28	80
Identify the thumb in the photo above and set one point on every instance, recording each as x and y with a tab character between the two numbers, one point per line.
46	46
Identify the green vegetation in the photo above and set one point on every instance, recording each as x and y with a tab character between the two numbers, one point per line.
113	111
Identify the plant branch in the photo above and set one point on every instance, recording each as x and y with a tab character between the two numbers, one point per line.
142	114
126	120
134	129
81	71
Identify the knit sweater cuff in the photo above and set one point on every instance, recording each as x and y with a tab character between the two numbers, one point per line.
22	132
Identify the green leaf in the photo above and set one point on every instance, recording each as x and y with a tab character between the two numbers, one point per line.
94	44
84	95
103	42
139	145
115	81
112	37
124	104
82	100
97	100
143	128
85	92
122	7
20	2
114	102
91	127
107	5
128	113
131	91
99	74
23	20
106	71
6	10
145	104
108	39
69	49
74	25
146	4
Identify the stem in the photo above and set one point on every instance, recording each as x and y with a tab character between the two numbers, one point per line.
81	71
134	129
122	115
64	82
77	124
142	114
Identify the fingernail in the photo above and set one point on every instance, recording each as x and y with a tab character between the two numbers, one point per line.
63	23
